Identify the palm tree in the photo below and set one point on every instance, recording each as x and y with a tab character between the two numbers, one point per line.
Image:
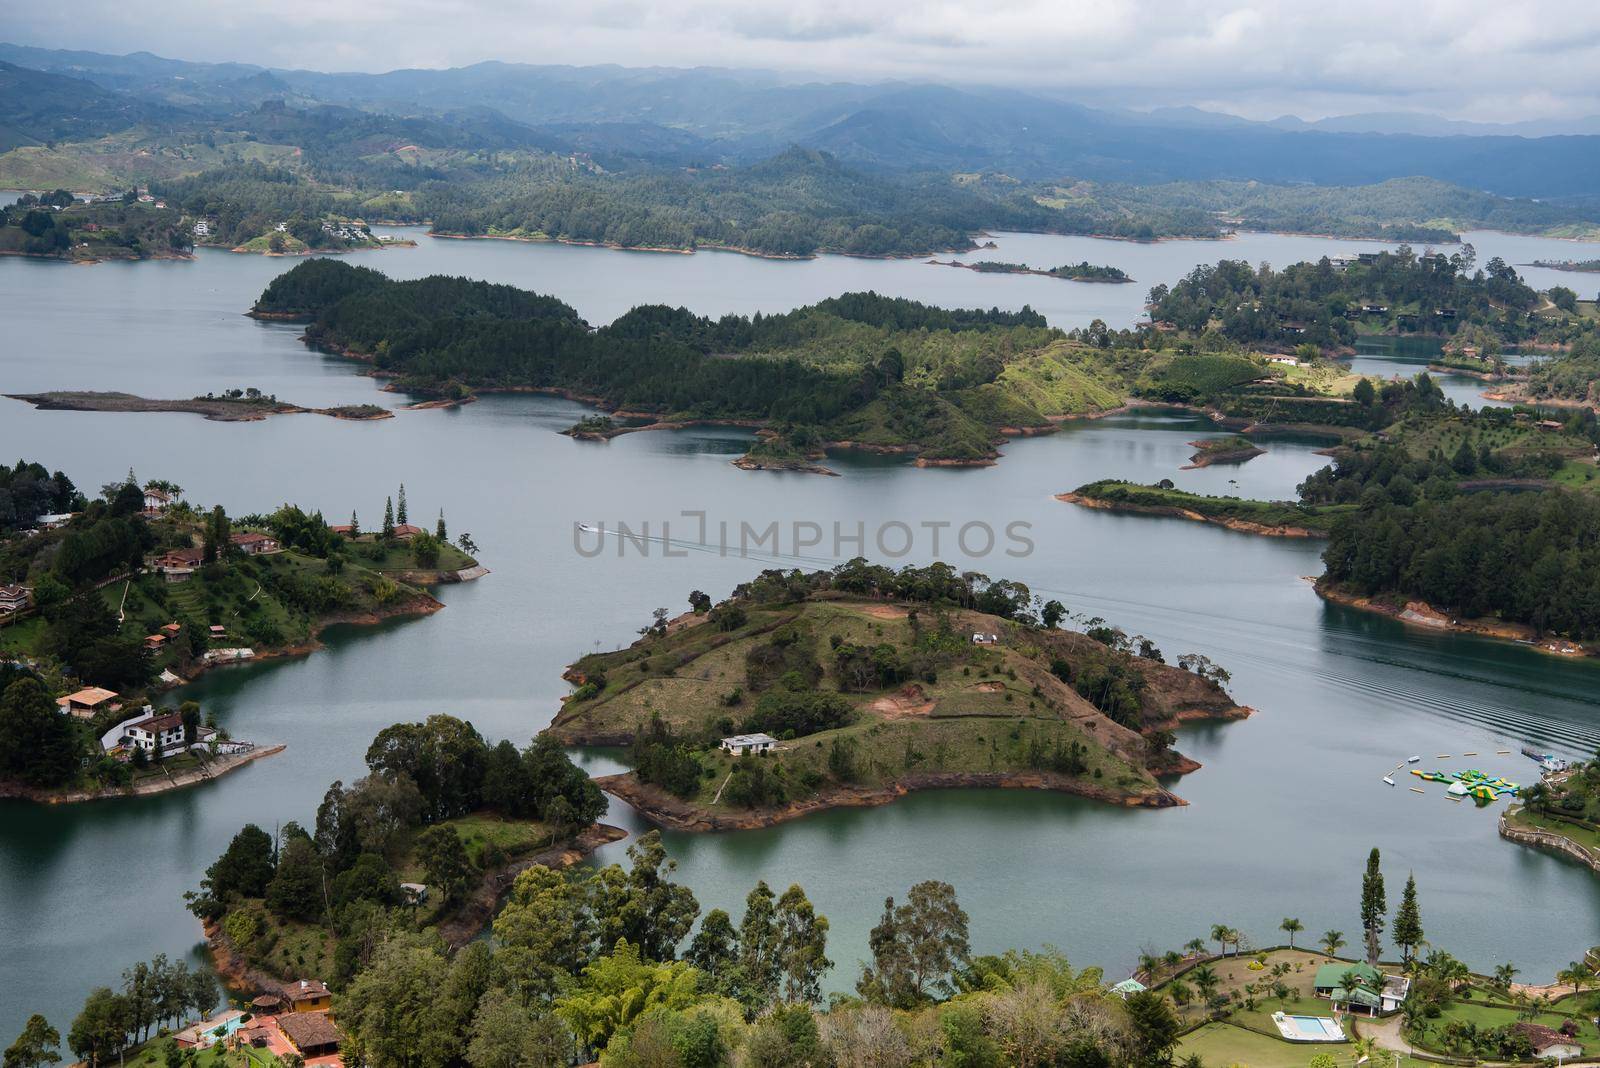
1147	965
1219	935
1205	981
1291	925
1180	993
1578	975
1503	976
1332	942
1172	960
1365	1048
1195	947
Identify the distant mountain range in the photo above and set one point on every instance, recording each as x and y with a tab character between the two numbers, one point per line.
706	115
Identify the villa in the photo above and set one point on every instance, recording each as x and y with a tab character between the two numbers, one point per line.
161	732
252	544
87	702
1549	1043
740	744
308	995
1372	990
179	564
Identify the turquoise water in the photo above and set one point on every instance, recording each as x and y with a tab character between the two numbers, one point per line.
1341	696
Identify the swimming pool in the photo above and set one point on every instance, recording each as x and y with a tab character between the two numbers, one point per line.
1308	1028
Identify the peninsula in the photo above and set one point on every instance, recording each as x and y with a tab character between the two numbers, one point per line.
107	604
854	686
235	406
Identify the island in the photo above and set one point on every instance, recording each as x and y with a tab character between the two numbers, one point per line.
1074	272
106	605
852	687
1567	265
1235	449
234	406
1279	519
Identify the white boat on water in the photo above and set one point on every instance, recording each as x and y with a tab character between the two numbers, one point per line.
1389	779
1413	760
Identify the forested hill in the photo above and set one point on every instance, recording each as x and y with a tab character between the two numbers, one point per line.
1329	304
862	367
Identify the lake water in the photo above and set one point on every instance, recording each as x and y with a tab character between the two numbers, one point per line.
1281	816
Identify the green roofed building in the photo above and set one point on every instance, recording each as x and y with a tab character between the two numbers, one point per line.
1127	987
1372	990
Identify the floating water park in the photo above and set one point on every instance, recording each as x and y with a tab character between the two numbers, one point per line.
1483	788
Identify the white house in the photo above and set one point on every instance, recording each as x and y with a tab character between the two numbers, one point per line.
1287	361
163	730
980	638
740	744
156	499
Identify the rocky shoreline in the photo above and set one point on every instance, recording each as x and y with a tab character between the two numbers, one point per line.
1243	526
1422	614
215	768
665	810
1550	842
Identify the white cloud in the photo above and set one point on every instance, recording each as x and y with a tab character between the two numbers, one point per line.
1479	59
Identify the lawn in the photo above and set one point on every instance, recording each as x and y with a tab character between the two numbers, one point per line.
1487	1017
1224	1044
153	1055
1584	836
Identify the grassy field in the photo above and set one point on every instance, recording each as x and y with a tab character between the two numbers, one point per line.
484	834
966	709
1486	1017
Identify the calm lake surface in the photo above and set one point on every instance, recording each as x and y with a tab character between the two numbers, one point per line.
1281	816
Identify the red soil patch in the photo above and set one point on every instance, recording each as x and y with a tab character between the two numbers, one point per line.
910	701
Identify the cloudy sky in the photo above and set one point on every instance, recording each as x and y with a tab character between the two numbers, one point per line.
1487	60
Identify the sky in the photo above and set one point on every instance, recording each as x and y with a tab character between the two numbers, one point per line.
1483	60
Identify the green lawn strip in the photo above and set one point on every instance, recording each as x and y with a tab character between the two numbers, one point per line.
1227	1044
1489	1016
1584	836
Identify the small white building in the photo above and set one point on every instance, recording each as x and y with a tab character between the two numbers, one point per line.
980	638
1287	361
740	744
156	499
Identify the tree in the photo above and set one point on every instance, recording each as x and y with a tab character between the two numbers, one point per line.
700	602
545	931
916	947
245	867
1205	980
642	905
1154	1028
37	744
1290	926
1364	393
400	516
100	1030
802	946
355	525
1332	942
440	531
1408	933
504	1034
387	531
36	1046
444	860
1220	933
389	1014
1374	907
1052	614
215	535
425	549
297	889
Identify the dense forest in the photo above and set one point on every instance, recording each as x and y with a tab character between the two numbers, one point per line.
1529	558
28	491
1328	305
863	367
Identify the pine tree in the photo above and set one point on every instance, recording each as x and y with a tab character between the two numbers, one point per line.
388	517
439	528
1408	920
1374	906
400	506
355	525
